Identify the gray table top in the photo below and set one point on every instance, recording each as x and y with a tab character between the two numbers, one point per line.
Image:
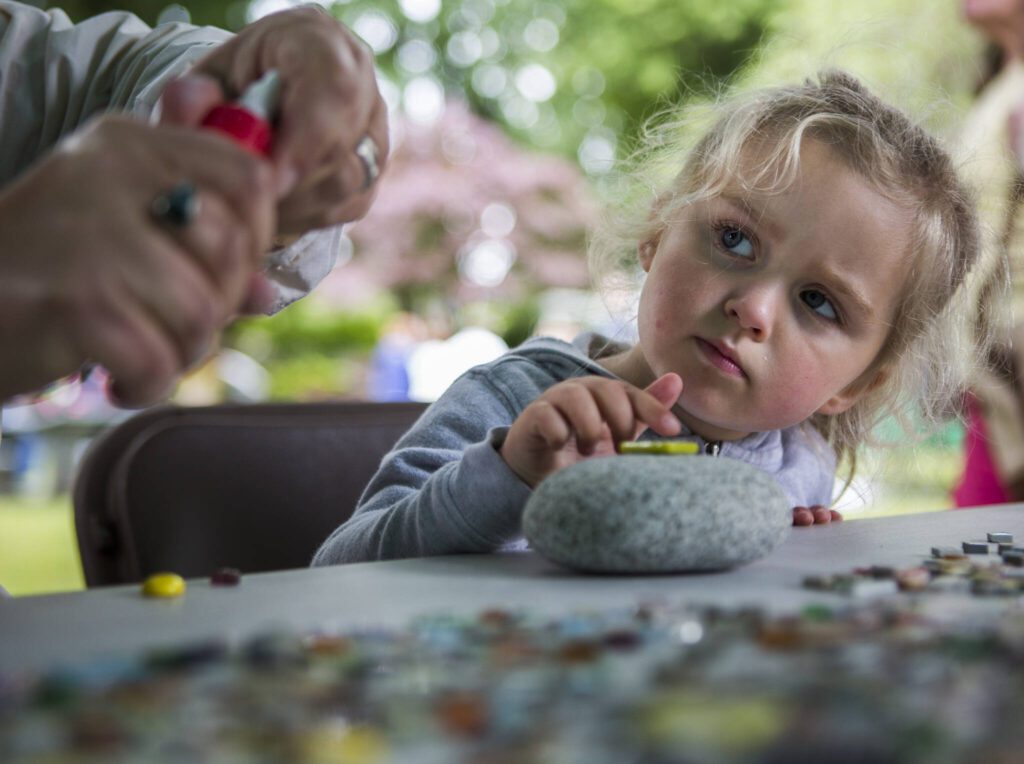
47	631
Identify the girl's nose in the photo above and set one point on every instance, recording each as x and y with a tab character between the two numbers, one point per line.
754	309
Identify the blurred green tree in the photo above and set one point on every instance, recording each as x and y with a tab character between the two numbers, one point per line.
570	76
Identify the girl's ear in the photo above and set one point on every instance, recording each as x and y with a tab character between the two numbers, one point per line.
846	398
646	250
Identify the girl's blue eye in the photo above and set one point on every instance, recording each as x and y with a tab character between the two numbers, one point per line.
819	303
737	242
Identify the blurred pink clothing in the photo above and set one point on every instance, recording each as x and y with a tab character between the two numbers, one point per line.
979	484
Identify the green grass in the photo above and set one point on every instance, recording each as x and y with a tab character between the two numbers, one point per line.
38	551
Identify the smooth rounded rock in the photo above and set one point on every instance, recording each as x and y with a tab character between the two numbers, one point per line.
657	514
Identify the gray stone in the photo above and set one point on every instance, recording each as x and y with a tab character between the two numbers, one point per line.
657	514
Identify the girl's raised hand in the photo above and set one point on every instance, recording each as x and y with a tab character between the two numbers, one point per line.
584	417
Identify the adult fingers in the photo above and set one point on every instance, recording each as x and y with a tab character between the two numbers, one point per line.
186	101
325	106
221	246
836	516
377	132
336	193
215	165
325	198
329	102
121	335
179	297
260	296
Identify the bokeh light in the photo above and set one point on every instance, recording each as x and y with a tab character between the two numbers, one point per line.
490	80
588	81
417	56
497	220
423	100
518	111
420	11
536	82
377	29
597	151
259	8
464	48
488	262
541	35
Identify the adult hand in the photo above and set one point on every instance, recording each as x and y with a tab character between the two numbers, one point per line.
329	103
584	417
88	273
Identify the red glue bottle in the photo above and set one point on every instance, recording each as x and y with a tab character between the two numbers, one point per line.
247	120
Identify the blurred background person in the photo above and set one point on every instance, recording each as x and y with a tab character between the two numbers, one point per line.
993	468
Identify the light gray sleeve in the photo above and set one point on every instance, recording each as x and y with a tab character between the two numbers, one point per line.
54	75
444	489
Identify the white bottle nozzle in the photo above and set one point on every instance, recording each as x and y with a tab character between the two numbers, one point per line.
260	98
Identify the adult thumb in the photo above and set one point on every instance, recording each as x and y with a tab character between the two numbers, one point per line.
667	388
186	101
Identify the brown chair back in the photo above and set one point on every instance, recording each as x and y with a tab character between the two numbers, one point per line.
253	487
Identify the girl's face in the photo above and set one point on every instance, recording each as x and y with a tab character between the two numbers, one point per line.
772	307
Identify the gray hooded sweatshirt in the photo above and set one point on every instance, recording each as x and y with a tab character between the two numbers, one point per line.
445	489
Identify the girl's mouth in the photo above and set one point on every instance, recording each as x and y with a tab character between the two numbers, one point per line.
720	359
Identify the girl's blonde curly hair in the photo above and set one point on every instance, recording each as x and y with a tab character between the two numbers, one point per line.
931	351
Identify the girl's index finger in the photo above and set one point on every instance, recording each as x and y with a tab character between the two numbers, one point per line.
663	393
667	388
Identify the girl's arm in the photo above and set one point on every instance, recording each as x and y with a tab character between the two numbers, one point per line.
444	489
455	484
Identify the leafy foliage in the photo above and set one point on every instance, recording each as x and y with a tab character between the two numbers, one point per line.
610	61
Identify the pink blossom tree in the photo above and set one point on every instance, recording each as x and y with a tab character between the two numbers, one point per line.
465	214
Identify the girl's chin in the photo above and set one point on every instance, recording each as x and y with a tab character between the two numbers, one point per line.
709	427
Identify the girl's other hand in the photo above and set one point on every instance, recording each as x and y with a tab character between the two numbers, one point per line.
816	515
584	417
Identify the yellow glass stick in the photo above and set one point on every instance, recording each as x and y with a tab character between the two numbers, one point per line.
658	447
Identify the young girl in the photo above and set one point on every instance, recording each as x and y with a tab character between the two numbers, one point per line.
801	274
